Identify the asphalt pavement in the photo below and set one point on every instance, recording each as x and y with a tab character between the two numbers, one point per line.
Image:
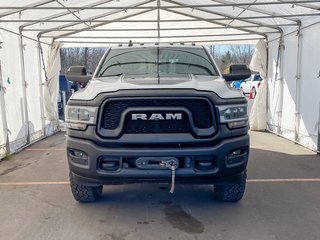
282	200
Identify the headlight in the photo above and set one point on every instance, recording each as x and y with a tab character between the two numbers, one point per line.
234	115
78	117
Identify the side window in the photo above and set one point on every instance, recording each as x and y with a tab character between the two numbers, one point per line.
257	78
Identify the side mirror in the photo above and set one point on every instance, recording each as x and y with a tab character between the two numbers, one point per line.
237	72
78	74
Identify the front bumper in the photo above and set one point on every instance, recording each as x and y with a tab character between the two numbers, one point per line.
91	173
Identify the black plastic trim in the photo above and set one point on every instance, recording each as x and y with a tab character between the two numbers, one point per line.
157	140
214	98
219	152
196	132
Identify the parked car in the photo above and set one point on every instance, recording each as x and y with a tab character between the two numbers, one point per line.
67	87
237	84
251	84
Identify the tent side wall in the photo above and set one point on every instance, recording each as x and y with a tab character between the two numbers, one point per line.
13	94
295	115
310	88
34	100
21	108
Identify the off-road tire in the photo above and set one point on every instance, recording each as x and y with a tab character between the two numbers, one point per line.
231	191
82	193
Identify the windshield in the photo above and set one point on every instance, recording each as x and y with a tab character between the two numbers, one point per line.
157	61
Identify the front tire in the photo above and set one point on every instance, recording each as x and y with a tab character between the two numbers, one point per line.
82	193
231	191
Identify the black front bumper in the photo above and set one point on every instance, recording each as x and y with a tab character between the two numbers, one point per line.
90	172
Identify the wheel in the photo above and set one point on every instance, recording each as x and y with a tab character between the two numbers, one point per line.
254	92
82	193
231	191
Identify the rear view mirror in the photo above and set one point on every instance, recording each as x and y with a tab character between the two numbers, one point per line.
237	72
78	74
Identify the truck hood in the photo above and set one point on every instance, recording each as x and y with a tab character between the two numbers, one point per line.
112	84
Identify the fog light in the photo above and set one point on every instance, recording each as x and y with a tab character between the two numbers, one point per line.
237	152
78	126
238	124
78	157
237	157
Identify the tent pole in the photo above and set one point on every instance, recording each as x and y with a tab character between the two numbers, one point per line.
298	85
20	9
101	16
196	41
41	90
75	15
318	145
158	19
176	37
215	21
302	4
281	83
229	4
253	9
17	34
76	21
267	84
3	114
90	6
24	86
152	29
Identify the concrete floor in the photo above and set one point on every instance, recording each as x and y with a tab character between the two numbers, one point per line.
282	200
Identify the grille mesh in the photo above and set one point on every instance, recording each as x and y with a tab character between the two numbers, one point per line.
199	108
163	126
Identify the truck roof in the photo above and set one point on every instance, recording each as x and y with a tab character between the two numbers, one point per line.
142	45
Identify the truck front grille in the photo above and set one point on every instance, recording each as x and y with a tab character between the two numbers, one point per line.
116	115
163	126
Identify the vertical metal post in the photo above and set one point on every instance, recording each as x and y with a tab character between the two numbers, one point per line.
41	90
64	102
158	19
24	86
3	113
318	146
298	86
267	84
280	84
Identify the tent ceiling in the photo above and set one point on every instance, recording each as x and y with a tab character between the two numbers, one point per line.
117	21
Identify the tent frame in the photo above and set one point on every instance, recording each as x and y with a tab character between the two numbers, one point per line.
279	2
245	6
96	6
253	27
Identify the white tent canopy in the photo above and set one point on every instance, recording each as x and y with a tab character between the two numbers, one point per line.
31	33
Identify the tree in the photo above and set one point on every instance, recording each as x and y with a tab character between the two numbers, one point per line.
241	53
226	55
226	60
88	57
